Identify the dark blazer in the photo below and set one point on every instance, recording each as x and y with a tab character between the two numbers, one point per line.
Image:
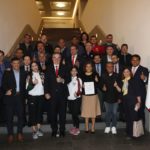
22	68
26	51
125	60
9	82
50	84
40	67
69	64
141	82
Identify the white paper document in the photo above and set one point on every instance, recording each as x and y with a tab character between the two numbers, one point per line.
89	88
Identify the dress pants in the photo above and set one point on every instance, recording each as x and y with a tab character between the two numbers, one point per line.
14	106
57	109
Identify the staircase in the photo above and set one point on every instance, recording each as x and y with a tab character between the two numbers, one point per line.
54	34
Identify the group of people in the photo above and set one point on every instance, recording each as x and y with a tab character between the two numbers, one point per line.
83	78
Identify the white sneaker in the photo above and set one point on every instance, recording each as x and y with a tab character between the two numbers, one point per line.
39	133
114	130
35	136
107	130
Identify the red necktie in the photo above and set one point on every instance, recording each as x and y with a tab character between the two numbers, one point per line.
73	60
56	71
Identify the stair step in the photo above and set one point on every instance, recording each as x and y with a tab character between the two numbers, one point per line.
54	34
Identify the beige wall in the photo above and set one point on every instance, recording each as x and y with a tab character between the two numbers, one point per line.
14	15
127	20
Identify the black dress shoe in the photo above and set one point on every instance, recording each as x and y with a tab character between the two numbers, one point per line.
62	134
53	134
87	131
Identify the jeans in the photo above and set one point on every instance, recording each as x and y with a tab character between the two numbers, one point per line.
111	114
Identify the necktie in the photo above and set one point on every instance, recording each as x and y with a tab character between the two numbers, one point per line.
56	71
73	60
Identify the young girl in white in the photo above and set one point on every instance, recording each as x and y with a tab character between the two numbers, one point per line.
74	99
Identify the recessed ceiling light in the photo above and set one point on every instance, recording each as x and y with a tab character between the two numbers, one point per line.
60	4
60	13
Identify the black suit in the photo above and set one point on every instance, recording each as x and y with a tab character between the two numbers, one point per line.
125	60
69	63
14	102
26	50
142	90
58	92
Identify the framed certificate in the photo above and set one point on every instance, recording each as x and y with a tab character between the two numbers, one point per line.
89	88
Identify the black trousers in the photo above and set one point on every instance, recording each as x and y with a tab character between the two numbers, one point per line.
2	108
74	109
57	109
14	106
35	109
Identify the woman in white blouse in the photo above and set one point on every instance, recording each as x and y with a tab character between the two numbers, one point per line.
34	86
74	99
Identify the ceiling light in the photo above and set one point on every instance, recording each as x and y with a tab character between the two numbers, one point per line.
60	13
60	4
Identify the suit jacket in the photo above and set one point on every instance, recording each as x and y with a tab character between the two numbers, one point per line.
22	68
50	84
141	82
125	60
9	82
40	67
70	65
26	51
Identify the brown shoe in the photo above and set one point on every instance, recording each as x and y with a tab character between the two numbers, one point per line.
20	137
10	139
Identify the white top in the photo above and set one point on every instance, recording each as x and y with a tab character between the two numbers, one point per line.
73	88
38	89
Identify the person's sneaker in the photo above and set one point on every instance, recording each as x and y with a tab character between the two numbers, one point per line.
114	130
39	133
34	136
72	130
76	131
107	130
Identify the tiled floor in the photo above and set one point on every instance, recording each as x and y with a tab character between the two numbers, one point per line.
97	141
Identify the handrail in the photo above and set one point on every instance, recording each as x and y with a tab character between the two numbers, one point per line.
27	29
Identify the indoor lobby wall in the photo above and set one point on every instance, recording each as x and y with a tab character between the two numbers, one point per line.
127	20
14	16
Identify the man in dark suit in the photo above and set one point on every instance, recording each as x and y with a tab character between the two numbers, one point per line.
4	65
13	84
118	68
108	56
43	63
26	45
124	56
26	68
109	42
88	56
26	64
99	69
56	90
74	59
140	74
